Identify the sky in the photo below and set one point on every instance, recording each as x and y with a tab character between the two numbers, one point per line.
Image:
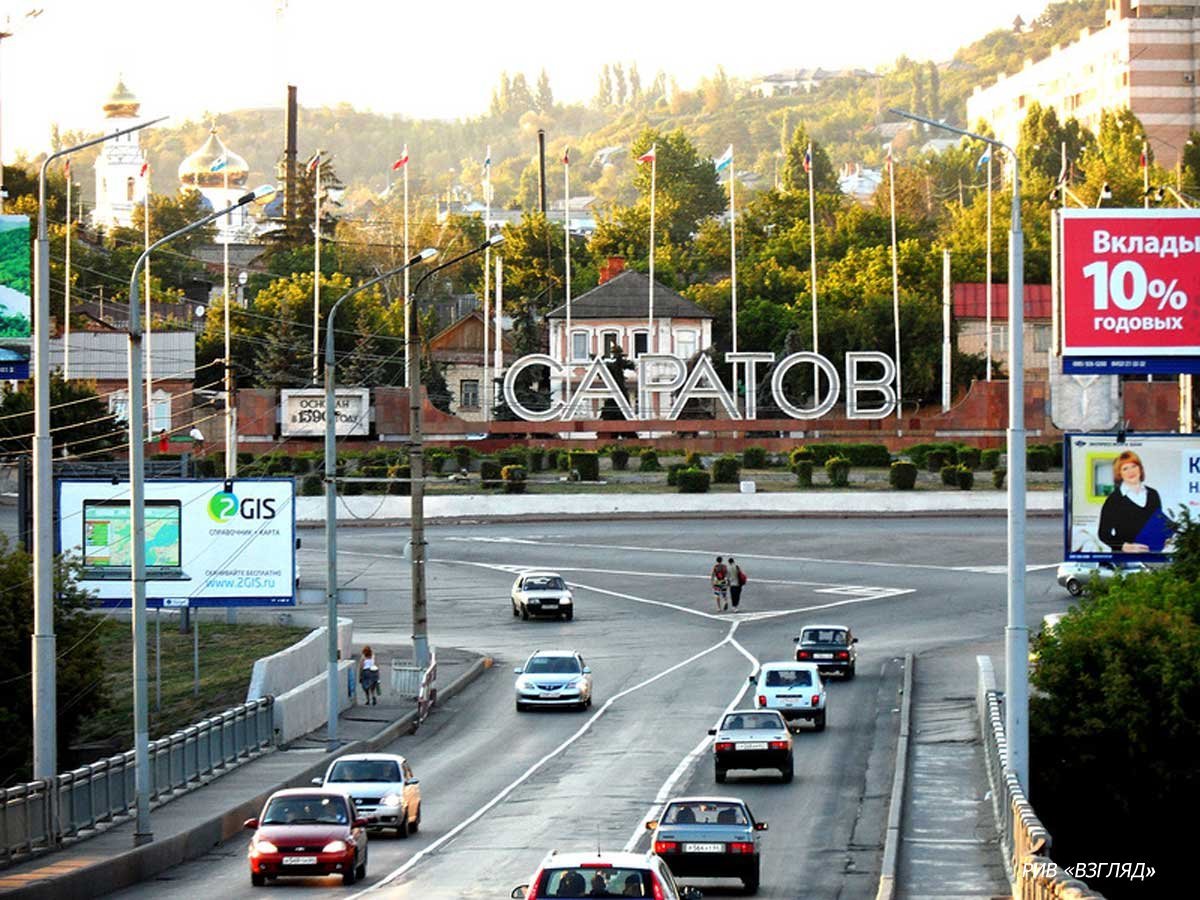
428	60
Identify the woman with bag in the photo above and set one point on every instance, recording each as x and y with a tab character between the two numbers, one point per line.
368	676
737	579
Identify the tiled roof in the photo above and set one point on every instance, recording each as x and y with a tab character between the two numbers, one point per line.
970	301
627	296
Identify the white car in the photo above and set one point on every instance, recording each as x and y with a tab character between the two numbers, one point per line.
553	678
599	873
542	594
1074	576
795	690
383	787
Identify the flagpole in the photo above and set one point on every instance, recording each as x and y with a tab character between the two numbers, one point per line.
895	279
316	356
67	289
483	387
1145	178
650	342
812	269
404	156
498	349
487	264
567	240
230	427
149	316
988	277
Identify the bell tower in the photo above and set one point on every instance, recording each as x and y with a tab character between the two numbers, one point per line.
120	185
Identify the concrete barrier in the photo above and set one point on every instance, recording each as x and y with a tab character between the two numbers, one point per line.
279	673
304	708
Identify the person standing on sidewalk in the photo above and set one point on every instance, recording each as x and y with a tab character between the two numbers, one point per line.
719	576
368	676
737	578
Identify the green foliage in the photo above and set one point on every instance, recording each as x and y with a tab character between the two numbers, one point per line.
312	486
902	475
949	473
587	464
489	472
673	471
514	479
1038	458
990	458
564	460
937	461
694	460
401	488
692	481
462	457
804	472
969	457
998	475
800	454
79	419
435	458
648	461
537	457
754	458
725	469
513	456
620	459
966	477
837	470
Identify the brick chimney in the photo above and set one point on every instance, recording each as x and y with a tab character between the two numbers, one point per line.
613	267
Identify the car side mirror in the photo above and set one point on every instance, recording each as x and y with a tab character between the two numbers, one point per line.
761	826
517	670
854	640
691	893
651	825
519	892
318	781
752	679
360	823
251	824
413	781
587	670
795	640
712	731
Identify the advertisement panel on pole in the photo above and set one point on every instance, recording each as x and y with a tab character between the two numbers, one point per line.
205	545
1131	291
304	412
1123	497
16	324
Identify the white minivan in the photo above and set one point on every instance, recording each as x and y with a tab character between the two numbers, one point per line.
794	689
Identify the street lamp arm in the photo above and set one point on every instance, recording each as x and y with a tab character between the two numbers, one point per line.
942	125
491	242
427	253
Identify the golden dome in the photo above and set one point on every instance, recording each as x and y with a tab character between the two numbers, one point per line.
198	169
121	103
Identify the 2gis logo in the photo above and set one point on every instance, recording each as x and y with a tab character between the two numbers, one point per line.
225	506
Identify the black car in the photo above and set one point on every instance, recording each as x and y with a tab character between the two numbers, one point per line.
831	647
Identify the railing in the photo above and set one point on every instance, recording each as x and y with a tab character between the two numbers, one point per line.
39	816
1026	842
427	694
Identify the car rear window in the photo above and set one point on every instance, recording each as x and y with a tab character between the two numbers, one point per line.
378	770
751	721
788	678
546	583
824	636
552	665
703	813
610	881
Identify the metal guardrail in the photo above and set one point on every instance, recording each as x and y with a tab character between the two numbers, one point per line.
1025	841
40	816
427	693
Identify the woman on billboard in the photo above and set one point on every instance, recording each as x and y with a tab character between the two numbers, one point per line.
1131	519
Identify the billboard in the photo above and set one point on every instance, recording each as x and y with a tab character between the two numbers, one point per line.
205	545
15	291
1131	291
304	412
1123	497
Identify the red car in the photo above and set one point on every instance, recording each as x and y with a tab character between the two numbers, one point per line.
308	831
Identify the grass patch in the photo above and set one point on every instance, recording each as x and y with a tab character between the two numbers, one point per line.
227	654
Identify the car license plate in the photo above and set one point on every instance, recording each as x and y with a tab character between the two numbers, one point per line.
549	696
822	656
299	860
549	606
750	745
703	848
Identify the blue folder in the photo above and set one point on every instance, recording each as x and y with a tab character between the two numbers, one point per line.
1156	532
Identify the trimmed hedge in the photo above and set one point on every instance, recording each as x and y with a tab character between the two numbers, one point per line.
489	472
989	459
1037	458
620	459
587	464
937	460
837	469
969	457
966	478
804	472
694	460
725	469
400	488
673	471
648	461
799	455
693	481
514	479
537	457
513	456
564	460
902	475
754	458
998	478
949	475
377	487
919	453
462	457
435	458
312	486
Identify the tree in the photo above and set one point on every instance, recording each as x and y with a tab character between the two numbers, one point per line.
794	177
935	90
1190	164
80	421
544	99
686	183
619	86
635	85
603	89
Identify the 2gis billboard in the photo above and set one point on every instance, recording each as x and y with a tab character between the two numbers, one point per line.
1131	291
208	543
1124	497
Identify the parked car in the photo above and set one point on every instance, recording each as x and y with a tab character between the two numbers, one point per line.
308	831
793	689
542	594
598	873
1074	576
714	837
752	739
553	678
383	787
831	647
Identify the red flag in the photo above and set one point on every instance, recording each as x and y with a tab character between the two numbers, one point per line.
314	162
402	161
566	156
648	156
1142	159
67	168
145	169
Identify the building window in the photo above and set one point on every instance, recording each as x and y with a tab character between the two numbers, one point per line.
999	339
612	343
129	189
118	405
640	342
1041	338
579	346
160	412
470	394
685	344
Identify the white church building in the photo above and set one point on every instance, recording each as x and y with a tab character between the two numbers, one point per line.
120	184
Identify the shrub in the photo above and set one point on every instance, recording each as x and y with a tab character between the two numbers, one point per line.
648	462
435	458
919	453
969	457
804	471
513	456
587	464
950	475
620	459
1038	458
875	456
902	475
376	487
754	458
935	460
462	457
694	460
312	486
998	478
564	460
798	455
693	481
244	459
536	457
725	469
837	469
489	472
1056	454
209	466
966	477
399	488
673	471
989	459
514	479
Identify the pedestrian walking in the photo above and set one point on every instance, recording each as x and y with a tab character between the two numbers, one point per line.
720	584
737	579
368	676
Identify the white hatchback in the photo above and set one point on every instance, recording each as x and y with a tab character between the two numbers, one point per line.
793	689
553	678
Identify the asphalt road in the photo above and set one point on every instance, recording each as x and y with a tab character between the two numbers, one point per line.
501	788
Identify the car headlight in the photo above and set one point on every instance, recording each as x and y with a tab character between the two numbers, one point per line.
334	847
393	800
264	846
565	600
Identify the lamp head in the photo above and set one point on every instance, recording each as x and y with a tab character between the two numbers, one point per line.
427	254
494	240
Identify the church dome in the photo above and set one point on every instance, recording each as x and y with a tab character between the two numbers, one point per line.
198	169
121	104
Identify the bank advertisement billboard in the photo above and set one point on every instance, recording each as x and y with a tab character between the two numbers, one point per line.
205	545
1124	497
1131	291
15	291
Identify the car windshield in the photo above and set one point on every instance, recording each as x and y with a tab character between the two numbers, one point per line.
788	678
552	665
703	813
824	636
585	881
752	721
306	811
544	583
365	770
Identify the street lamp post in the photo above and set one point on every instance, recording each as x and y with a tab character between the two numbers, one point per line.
44	699
331	487
1016	633
416	460
137	523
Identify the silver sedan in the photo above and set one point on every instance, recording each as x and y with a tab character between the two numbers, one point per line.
1074	576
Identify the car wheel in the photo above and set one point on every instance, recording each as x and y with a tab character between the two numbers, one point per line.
1074	588
819	721
521	707
516	612
850	671
788	773
258	880
524	612
751	881
570	614
720	775
361	872
402	829
415	825
349	877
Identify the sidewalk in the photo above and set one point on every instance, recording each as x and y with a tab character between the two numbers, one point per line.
949	845
194	823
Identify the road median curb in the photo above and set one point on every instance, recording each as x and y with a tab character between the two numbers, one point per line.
891	842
